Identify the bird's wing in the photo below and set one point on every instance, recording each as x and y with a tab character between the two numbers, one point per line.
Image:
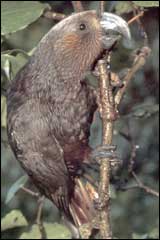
39	153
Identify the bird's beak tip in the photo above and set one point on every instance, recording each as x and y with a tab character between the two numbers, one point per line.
110	21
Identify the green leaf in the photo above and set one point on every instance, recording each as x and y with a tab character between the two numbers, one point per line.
17	15
3	111
13	219
154	234
15	187
123	7
144	110
2	39
139	236
57	231
53	231
7	69
34	233
146	3
12	64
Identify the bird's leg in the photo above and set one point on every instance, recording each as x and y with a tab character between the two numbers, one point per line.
39	217
105	152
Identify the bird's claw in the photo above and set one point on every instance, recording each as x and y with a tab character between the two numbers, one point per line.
98	204
108	152
115	79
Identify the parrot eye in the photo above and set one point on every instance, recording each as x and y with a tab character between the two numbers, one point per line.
82	26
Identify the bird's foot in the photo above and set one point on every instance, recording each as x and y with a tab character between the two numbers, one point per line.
115	79
108	152
98	204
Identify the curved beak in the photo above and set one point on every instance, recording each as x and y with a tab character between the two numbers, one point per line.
113	27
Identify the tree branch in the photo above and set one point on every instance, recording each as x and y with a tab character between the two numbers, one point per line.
54	15
108	116
77	6
39	220
101	8
143	186
108	110
131	166
137	11
136	17
139	61
140	184
30	192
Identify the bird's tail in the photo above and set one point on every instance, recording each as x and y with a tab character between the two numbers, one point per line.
82	203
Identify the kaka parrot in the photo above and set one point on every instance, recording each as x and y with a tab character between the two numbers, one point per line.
50	107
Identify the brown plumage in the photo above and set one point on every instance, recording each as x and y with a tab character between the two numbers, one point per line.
50	109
